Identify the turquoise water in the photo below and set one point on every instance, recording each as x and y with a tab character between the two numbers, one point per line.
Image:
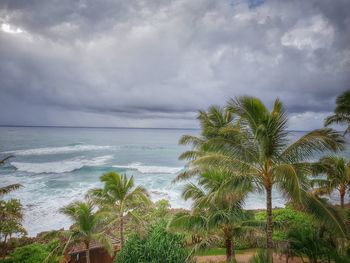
59	165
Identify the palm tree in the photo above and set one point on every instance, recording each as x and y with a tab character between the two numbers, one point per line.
255	143
119	197
337	170
9	188
342	111
214	208
87	226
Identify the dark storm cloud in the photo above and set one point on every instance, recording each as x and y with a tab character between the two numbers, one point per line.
154	63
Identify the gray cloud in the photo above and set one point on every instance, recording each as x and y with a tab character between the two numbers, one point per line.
154	63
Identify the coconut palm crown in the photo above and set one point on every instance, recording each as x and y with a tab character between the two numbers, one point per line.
337	171
87	226
214	210
8	188
342	112
246	139
119	197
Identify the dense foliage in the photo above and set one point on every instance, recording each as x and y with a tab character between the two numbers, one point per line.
243	148
332	173
11	216
158	246
251	143
33	253
341	112
286	218
88	226
119	198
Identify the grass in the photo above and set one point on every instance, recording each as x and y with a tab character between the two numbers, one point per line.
219	251
211	252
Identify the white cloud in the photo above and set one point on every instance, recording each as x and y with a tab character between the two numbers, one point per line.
156	62
10	29
311	33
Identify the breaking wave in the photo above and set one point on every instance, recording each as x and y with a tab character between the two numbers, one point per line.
64	166
150	169
58	150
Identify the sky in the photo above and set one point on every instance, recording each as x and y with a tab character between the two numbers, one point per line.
155	63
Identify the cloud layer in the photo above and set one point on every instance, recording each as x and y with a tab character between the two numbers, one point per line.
155	63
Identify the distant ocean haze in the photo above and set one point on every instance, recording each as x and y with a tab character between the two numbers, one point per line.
59	165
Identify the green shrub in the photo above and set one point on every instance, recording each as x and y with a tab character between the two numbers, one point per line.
285	219
33	253
241	243
260	257
159	246
307	241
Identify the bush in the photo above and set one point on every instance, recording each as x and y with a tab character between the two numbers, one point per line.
260	257
315	244
159	246
284	219
33	253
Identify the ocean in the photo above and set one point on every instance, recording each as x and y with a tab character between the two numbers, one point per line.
59	165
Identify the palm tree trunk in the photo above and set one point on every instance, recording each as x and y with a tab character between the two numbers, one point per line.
233	253
342	194
87	245
228	244
121	229
269	223
4	248
230	251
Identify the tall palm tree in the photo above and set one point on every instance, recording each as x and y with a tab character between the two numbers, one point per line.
337	170
255	143
87	226
9	188
342	111
214	208
119	197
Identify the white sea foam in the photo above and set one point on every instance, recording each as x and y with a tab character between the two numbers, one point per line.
63	166
150	169
58	150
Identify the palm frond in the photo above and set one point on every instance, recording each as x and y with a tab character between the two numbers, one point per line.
190	140
192	191
187	174
9	188
105	241
2	161
317	141
190	155
337	119
290	181
323	212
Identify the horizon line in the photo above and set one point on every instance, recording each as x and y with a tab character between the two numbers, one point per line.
108	127
94	127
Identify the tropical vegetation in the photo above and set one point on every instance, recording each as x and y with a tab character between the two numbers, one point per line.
243	148
9	188
342	112
337	172
33	253
11	215
88	226
252	144
119	198
158	246
214	212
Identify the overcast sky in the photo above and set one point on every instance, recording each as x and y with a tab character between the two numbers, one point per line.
154	63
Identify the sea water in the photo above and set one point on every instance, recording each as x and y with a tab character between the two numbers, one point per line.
59	165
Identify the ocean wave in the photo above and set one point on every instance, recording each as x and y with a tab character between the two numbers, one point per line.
58	150
150	169
141	147
64	166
